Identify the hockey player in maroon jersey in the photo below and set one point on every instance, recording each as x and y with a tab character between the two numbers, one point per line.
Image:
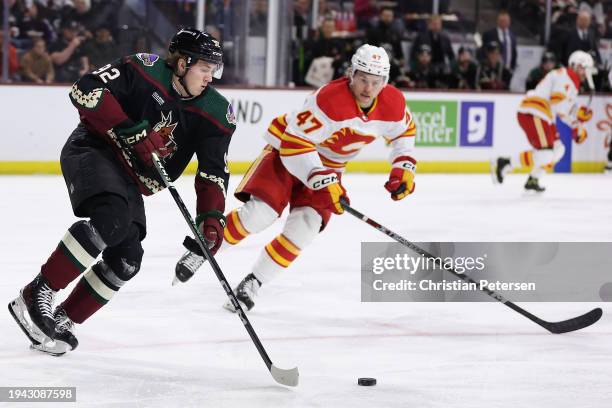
302	164
130	109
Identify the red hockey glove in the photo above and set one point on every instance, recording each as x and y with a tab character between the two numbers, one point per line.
211	225
579	134
144	141
584	114
328	190
401	179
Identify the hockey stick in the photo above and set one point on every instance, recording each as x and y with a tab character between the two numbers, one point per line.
564	326
281	376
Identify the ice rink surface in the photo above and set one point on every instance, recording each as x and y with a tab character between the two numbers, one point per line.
155	345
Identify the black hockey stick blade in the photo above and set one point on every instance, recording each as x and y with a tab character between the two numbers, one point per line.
574	324
564	326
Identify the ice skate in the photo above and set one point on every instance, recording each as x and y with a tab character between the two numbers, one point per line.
499	168
245	293
32	310
533	185
187	266
65	339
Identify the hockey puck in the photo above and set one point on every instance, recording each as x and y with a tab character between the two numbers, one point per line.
366	381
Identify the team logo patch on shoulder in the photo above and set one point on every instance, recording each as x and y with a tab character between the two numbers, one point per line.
147	59
231	118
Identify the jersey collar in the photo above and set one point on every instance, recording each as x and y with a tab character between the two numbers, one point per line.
363	114
574	77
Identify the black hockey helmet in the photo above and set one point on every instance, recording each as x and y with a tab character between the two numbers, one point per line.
195	45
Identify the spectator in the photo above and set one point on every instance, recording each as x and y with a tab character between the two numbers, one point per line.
548	63
463	74
596	9
69	60
101	50
326	45
385	33
34	26
442	55
413	11
365	12
92	14
258	20
423	74
13	62
301	14
16	12
36	65
581	38
492	73
505	38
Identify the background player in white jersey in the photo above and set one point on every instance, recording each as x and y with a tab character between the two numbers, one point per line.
302	165
554	97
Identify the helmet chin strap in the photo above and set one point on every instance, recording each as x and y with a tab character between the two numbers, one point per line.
182	81
184	85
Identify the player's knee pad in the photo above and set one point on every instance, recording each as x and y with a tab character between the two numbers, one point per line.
558	150
110	216
125	258
303	224
255	215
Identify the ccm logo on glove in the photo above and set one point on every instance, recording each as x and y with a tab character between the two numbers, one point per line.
319	181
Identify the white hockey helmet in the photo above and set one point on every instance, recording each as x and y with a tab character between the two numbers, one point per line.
371	60
583	59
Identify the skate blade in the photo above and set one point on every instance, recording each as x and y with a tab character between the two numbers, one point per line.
532	193
229	306
53	348
19	312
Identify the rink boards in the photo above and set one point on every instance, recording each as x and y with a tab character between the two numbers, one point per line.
456	132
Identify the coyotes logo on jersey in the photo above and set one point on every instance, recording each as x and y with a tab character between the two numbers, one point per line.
165	128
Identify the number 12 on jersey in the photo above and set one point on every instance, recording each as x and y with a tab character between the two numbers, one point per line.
306	118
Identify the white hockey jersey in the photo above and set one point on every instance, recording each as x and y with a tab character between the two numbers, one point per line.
331	129
555	96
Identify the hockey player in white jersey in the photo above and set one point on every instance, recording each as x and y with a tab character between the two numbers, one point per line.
303	162
554	97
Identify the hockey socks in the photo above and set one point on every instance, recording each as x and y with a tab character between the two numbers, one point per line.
234	231
77	250
97	286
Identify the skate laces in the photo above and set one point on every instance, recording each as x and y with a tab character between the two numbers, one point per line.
249	286
62	321
192	260
44	299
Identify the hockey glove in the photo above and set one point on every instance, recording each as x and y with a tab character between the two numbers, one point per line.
401	179
211	225
584	114
579	134
327	190
143	141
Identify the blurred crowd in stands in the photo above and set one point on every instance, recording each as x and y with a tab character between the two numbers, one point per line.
421	50
59	40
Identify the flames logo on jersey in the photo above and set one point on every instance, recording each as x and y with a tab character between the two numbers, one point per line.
165	128
347	141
